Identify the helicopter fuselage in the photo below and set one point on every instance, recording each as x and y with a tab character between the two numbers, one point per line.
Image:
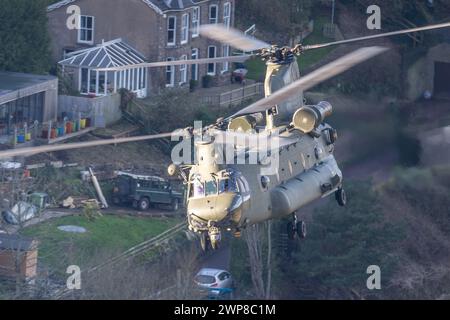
293	171
292	168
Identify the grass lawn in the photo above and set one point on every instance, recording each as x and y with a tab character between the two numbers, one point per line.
256	67
313	56
105	237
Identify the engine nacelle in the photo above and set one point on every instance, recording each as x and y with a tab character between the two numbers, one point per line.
245	123
172	170
307	118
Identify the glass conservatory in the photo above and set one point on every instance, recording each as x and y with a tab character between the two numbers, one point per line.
83	65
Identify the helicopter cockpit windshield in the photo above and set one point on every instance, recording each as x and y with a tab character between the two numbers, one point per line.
212	185
210	188
215	201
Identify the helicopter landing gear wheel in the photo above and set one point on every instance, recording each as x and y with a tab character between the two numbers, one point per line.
214	236
214	245
341	197
203	241
290	231
296	228
301	229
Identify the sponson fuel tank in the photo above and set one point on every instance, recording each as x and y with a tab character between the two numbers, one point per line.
306	187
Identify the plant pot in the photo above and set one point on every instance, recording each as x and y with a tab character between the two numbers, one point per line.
20	138
207	81
69	127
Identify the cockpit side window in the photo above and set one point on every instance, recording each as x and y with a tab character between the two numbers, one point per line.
213	185
241	185
210	187
228	185
198	188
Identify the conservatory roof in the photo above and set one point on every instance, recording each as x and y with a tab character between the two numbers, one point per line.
160	6
109	54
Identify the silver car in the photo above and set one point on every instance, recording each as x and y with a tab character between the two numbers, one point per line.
216	281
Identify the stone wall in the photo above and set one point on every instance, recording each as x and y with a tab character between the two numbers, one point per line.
420	76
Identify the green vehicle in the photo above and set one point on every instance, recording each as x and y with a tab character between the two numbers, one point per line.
143	191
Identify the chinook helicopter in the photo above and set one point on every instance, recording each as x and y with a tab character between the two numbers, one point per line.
267	160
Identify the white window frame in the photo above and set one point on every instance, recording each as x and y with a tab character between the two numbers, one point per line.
172	75
185	28
194	56
86	29
226	53
216	19
67	52
196	15
183	71
174	30
80	80
209	64
227	14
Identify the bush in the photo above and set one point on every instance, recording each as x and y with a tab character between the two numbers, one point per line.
205	115
409	149
193	84
61	183
91	210
24	39
380	76
278	16
207	81
341	244
426	190
408	146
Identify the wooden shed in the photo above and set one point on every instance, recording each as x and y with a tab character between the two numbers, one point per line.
18	257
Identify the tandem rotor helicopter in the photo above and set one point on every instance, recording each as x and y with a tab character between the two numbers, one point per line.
293	167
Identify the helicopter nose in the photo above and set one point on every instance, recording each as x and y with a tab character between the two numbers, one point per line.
213	208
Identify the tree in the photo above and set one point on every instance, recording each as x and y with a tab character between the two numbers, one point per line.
415	10
253	238
271	15
342	243
424	189
24	41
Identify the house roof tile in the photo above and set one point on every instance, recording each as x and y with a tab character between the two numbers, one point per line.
15	242
160	6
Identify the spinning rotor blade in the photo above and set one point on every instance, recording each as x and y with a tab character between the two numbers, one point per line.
232	37
310	80
42	149
179	62
387	34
